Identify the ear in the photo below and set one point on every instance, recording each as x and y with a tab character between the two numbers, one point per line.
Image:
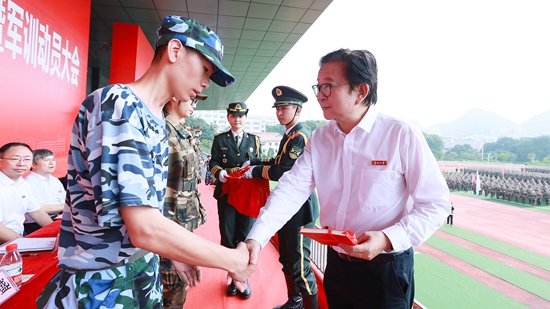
363	91
174	50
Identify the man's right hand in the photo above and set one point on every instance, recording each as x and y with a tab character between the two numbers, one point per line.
247	265
221	176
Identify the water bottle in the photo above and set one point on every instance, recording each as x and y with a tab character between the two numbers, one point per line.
12	264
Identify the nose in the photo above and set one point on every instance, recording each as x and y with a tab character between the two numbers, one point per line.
206	83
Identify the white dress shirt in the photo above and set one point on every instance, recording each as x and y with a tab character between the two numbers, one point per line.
47	190
382	176
16	199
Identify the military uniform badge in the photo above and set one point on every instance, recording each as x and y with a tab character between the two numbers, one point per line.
295	152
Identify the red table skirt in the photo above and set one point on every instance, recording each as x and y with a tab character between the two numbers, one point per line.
43	266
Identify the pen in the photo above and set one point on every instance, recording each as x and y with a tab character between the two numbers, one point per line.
29	254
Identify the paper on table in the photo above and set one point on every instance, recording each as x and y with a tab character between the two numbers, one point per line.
31	244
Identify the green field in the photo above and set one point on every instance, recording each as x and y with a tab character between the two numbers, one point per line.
439	285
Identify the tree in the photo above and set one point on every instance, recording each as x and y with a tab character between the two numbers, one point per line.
531	157
546	160
270	153
208	130
311	125
276	128
504	156
206	145
451	156
466	151
436	144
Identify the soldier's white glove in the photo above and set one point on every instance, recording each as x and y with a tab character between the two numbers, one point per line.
245	164
221	176
248	174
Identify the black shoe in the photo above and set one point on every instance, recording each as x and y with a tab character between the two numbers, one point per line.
231	290
247	292
294	302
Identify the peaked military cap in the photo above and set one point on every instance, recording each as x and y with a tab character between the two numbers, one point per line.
237	108
287	96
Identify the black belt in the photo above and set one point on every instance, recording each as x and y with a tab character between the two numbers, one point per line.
379	259
188	185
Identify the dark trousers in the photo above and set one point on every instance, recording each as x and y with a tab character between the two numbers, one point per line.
294	250
234	227
366	284
450	219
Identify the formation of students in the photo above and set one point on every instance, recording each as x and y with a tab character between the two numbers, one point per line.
132	199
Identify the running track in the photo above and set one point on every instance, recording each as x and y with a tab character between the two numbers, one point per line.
517	226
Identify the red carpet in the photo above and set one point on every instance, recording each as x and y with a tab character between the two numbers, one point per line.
267	283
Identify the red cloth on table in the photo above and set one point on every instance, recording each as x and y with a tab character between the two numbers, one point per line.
247	195
43	266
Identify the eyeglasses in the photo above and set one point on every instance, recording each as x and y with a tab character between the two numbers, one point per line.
16	160
194	101
326	89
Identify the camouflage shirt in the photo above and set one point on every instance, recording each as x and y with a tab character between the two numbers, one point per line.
117	158
182	199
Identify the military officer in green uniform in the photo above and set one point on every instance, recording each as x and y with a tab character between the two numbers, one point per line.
229	151
294	248
181	203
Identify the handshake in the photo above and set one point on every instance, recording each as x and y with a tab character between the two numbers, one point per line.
240	263
248	261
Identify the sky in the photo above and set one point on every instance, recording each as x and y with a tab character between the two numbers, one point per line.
436	59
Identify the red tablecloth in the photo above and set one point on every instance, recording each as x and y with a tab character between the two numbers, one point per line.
43	266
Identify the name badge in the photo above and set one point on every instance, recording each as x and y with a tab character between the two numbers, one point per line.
379	162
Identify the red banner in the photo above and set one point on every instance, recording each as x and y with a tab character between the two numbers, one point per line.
44	59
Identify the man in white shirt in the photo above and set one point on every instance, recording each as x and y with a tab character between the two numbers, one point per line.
47	189
375	176
16	196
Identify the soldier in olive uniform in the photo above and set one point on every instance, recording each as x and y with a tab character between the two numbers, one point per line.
181	203
229	151
294	248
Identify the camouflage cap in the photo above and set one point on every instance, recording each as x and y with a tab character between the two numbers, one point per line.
237	108
287	96
198	36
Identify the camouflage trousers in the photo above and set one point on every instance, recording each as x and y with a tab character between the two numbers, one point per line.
174	290
133	285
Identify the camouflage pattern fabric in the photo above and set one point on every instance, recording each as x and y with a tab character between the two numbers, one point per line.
134	285
193	34
117	158
174	290
183	207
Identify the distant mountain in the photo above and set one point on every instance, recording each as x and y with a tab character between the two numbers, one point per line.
537	125
478	121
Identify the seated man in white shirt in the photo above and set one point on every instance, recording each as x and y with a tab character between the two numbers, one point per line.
47	189
16	196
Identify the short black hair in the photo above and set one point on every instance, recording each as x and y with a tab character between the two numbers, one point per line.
361	68
7	146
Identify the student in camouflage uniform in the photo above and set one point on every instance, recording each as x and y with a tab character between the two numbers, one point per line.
294	248
181	203
112	227
228	158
